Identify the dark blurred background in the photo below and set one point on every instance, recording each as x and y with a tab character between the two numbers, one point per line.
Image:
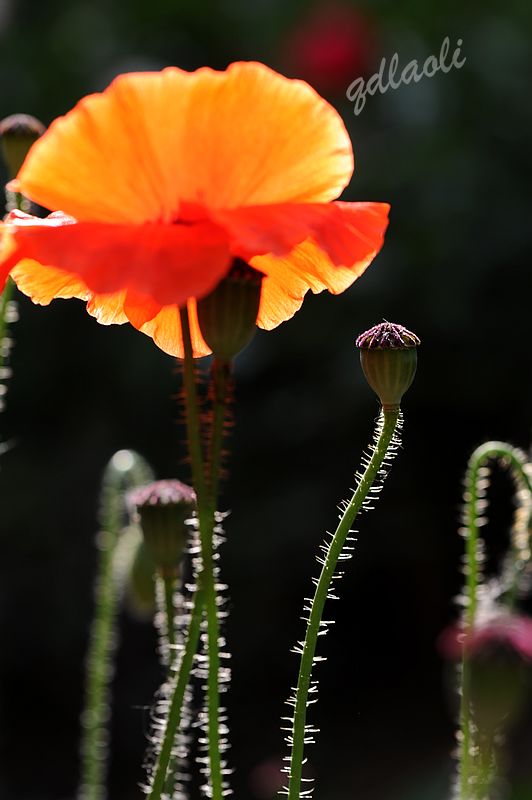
452	154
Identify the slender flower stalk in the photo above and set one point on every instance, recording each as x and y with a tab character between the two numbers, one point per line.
476	774
206	521
8	315
171	634
175	710
169	588
205	597
5	299
125	470
172	630
388	357
17	133
6	309
300	735
221	372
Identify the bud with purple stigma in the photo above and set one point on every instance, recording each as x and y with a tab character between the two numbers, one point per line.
227	316
17	134
388	355
163	509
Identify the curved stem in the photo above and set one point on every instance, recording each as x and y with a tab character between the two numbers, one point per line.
314	624
472	513
120	475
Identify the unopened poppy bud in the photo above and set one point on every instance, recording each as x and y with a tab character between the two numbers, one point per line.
499	651
17	134
227	316
163	508
389	358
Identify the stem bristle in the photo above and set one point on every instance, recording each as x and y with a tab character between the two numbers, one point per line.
336	548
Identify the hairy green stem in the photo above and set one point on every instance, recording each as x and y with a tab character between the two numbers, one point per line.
5	299
169	587
14	200
5	341
125	470
206	487
176	704
206	519
166	591
221	371
205	595
314	624
517	462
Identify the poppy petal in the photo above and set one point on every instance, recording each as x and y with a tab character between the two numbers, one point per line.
282	294
97	162
346	232
310	266
244	136
44	284
162	324
165	330
139	308
7	249
108	309
167	263
257	137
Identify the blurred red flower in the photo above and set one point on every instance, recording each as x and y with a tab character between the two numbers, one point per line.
331	47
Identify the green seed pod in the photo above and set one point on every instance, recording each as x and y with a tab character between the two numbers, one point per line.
388	356
227	315
163	508
17	134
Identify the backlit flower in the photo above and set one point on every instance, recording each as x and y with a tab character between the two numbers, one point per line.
160	181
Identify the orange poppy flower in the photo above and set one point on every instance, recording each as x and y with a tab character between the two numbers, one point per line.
165	177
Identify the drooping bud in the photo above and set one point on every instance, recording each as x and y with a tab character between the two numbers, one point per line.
163	508
499	651
388	356
17	134
227	316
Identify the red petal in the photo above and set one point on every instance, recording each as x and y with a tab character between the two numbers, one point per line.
346	232
167	263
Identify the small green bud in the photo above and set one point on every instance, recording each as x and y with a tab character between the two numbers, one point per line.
17	134
227	316
162	509
389	358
